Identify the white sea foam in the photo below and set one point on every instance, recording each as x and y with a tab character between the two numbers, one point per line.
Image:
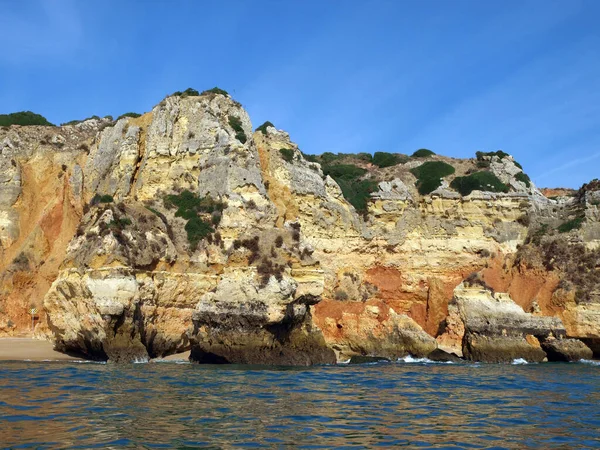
171	361
589	361
412	359
84	361
519	361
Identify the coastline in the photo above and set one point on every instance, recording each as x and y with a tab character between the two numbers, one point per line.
30	349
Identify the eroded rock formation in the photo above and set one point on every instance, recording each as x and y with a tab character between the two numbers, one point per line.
182	229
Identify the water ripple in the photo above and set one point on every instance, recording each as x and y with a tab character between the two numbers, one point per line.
412	403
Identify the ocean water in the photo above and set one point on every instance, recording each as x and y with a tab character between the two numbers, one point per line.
413	403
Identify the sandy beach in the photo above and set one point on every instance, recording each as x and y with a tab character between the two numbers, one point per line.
21	349
28	349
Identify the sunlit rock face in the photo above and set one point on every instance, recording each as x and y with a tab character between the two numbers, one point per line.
182	230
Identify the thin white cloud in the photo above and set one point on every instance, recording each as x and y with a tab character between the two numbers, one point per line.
569	165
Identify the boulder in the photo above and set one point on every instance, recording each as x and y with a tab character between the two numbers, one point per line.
243	322
440	355
498	330
566	350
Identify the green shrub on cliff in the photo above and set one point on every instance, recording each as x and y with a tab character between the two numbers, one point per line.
310	158
356	191
120	223
263	127
574	224
189	92
345	171
197	230
133	115
287	154
102	199
75	122
478	181
523	177
384	159
189	206
499	153
328	157
429	175
23	118
236	124
422	153
215	90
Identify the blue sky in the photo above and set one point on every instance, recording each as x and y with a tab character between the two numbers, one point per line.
340	76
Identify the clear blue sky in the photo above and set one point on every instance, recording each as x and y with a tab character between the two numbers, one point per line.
340	76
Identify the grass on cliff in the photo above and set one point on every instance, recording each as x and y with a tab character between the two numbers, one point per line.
355	190
429	175
23	118
189	206
478	181
236	124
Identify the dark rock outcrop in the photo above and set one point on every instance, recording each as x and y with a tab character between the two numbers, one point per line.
566	350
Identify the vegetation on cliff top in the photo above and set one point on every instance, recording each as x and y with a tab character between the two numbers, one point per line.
189	92
133	115
483	162
524	178
422	153
384	159
478	181
215	90
356	191
75	122
499	153
23	118
379	159
263	127
429	175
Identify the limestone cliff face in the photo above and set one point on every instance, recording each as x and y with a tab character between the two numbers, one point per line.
183	229
40	207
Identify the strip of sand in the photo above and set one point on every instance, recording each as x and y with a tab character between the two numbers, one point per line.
27	349
185	356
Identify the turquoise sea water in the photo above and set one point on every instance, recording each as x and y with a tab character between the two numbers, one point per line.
415	405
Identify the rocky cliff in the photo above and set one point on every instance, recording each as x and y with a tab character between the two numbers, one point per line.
184	229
